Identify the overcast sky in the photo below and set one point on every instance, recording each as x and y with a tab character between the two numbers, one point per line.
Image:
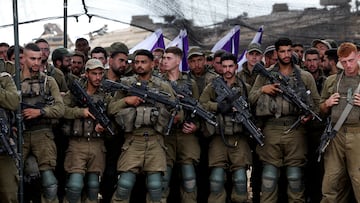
204	12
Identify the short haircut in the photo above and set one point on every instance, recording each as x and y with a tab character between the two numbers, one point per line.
11	51
32	47
4	44
282	42
80	54
144	52
297	45
312	51
41	40
174	50
345	49
332	55
228	56
99	50
219	53
81	39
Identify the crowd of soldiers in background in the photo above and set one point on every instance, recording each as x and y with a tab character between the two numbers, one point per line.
320	60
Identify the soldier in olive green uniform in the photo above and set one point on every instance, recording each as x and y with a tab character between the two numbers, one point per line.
236	159
61	59
9	100
202	76
42	90
183	146
86	152
278	115
254	55
144	124
341	158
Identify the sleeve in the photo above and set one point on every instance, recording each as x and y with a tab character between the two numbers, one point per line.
205	99
71	110
57	109
9	99
255	91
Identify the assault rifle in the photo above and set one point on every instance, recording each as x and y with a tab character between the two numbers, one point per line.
288	93
96	109
242	113
191	105
142	91
7	146
326	137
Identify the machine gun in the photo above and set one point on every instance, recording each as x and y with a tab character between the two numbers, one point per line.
242	113
326	137
191	105
288	93
96	109
8	145
142	91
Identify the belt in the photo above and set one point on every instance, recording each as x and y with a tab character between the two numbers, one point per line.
39	127
282	121
145	136
86	138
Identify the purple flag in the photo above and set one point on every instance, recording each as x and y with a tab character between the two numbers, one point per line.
181	41
257	38
229	42
155	40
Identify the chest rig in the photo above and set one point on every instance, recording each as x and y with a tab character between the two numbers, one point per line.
346	86
35	92
85	127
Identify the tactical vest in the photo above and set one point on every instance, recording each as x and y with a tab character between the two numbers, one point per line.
278	106
226	121
346	86
35	92
85	127
145	115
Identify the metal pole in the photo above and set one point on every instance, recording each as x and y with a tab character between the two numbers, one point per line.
65	23
18	112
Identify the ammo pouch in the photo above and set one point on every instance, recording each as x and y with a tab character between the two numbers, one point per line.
229	125
84	127
126	118
145	116
266	105
163	120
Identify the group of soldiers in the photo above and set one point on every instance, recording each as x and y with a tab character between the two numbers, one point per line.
100	124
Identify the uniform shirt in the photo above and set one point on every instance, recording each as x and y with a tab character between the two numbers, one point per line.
204	79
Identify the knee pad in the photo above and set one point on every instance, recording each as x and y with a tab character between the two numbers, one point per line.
269	178
189	177
294	176
217	179
93	186
154	186
125	184
49	184
74	187
240	179
166	178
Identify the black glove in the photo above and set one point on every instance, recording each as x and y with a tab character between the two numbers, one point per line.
224	108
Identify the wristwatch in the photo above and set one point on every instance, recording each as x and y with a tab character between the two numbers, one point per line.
42	112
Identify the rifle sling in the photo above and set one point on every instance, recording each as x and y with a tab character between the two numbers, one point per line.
345	113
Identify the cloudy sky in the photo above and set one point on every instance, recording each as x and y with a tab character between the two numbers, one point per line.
204	12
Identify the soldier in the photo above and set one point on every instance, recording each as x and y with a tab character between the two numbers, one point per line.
85	155
144	124
217	64
278	114
77	64
49	69
330	61
9	100
82	45
61	59
45	107
117	69
222	157
312	65
254	55
342	154
182	146
101	54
